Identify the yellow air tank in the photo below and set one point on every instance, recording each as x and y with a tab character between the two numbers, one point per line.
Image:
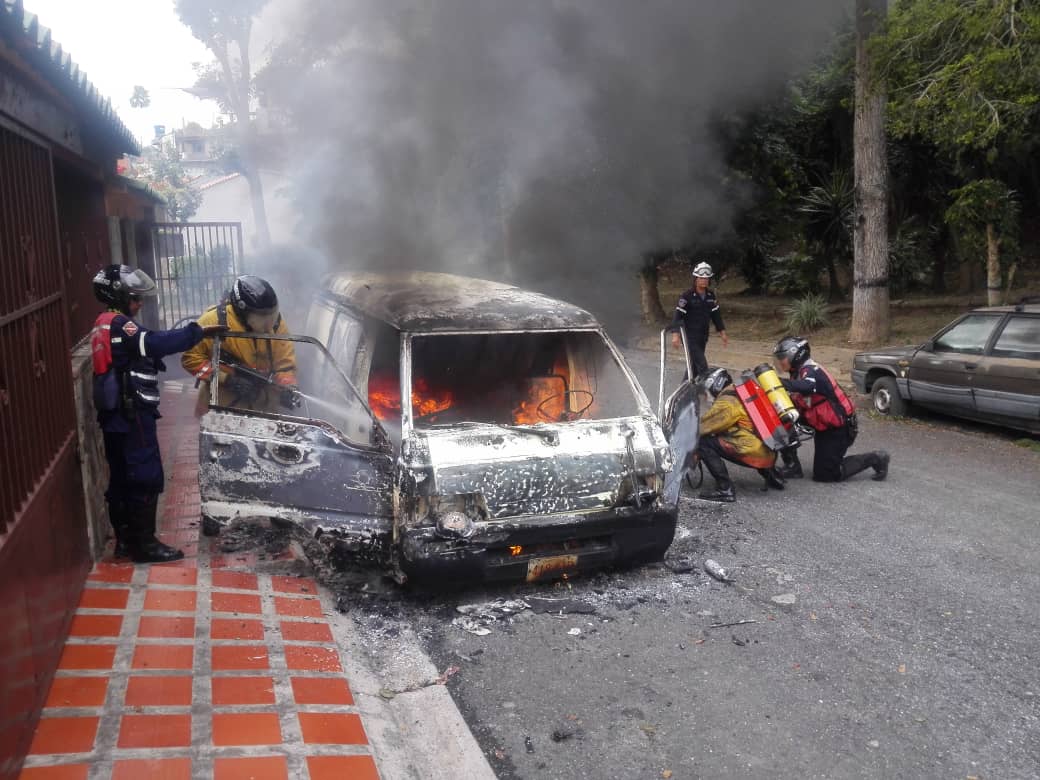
774	390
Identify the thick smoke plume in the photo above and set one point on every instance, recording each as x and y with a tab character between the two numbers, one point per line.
549	143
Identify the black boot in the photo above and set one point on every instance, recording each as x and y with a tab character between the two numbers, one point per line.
880	465
144	547
772	478
792	468
724	492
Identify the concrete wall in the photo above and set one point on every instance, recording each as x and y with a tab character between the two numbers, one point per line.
91	450
229	201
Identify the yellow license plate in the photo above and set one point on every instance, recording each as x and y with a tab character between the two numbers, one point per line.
540	568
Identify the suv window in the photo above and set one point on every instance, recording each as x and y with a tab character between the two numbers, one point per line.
969	335
1019	339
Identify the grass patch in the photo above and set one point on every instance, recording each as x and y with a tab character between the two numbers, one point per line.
1029	444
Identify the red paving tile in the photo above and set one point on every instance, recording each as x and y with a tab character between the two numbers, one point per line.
301	631
168	575
156	627
312	659
321	690
234	579
236	561
112	572
104	598
236	628
96	625
164	691
237	603
324	728
153	769
342	768
265	768
235	657
163	657
64	735
294	585
229	691
170	600
261	728
154	731
87	657
289	607
64	772
77	692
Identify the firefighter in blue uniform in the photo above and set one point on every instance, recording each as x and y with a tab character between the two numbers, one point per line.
127	362
697	309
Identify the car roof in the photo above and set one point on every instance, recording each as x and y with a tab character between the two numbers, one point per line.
1028	306
426	302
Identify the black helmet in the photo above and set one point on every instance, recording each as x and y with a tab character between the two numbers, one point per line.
253	295
716	381
115	285
794	348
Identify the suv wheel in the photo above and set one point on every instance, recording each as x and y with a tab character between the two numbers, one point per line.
886	398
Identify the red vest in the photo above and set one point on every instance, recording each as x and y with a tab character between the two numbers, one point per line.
101	342
818	410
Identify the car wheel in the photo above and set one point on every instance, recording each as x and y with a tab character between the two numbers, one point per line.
886	398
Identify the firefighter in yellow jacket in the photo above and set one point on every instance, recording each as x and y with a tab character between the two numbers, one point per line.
727	433
255	373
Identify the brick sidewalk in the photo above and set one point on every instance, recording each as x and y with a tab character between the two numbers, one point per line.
201	668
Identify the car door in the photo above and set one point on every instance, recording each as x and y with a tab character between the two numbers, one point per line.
679	412
1007	382
326	464
942	371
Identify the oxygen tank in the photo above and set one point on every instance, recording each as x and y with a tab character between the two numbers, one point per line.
774	390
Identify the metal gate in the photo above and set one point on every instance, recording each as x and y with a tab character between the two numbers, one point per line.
195	262
43	535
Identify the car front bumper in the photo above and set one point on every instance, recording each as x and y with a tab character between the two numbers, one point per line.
539	548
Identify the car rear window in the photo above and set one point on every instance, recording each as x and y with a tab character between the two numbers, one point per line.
969	335
1019	339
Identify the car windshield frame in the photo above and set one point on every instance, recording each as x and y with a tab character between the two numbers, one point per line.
642	404
996	317
381	438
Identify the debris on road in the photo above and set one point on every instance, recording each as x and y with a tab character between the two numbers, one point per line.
715	569
556	606
734	623
739	642
680	565
528	744
474	627
560	735
784	598
574	632
478	617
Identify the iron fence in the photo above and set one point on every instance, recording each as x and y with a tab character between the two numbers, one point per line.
195	263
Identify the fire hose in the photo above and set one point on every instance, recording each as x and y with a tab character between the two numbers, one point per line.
245	384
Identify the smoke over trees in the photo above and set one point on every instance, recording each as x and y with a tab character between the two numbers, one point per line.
550	143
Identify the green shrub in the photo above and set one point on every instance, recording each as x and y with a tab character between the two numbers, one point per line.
808	313
793	274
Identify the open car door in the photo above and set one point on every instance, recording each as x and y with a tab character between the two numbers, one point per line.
295	442
679	411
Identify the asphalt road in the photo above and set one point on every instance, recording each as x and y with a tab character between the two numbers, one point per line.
895	634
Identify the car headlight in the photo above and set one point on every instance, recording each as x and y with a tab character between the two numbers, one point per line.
455	525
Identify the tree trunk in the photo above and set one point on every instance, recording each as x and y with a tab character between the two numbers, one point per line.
870	313
993	289
649	296
256	195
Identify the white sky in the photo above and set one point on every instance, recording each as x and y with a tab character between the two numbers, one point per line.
120	43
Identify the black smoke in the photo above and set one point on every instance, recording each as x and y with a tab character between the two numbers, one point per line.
546	142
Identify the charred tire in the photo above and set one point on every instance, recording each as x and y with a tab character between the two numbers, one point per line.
884	394
210	527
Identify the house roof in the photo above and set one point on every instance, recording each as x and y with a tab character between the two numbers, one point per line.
32	41
421	302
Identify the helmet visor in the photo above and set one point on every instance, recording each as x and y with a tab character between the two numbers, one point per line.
139	284
262	321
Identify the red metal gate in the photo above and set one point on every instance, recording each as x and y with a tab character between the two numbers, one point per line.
43	541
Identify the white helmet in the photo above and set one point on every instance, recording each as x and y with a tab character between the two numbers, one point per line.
703	271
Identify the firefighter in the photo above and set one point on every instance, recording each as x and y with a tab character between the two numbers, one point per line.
127	362
827	409
250	368
727	433
697	307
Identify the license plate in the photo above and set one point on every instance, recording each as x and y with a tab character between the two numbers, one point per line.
540	568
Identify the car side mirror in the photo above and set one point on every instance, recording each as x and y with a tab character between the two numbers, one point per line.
928	346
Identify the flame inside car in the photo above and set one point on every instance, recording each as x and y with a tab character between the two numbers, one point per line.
384	396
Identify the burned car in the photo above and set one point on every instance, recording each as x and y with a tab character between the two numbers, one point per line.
455	429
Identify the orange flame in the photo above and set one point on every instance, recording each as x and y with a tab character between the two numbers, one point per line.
539	392
384	396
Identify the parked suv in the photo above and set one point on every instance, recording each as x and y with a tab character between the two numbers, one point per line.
454	429
984	366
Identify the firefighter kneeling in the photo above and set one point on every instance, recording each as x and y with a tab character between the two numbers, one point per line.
825	408
727	433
